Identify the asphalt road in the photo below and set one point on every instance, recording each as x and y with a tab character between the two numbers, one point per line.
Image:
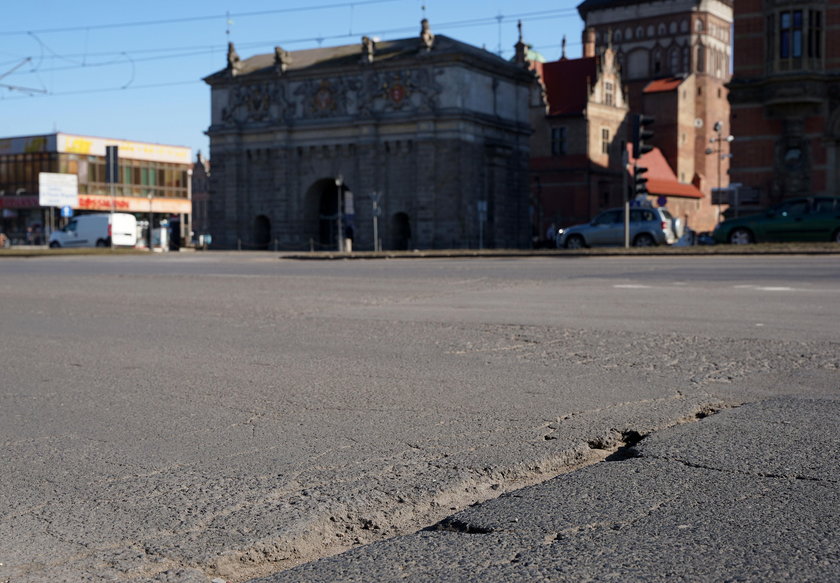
182	417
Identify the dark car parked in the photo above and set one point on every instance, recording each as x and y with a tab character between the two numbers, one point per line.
812	218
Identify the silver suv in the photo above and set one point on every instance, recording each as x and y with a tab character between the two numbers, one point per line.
648	226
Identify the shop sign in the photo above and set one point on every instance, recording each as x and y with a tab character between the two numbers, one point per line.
93	202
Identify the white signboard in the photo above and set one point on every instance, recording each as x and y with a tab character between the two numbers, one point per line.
58	189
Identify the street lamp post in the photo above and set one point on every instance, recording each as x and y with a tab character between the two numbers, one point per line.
338	184
151	247
718	150
375	197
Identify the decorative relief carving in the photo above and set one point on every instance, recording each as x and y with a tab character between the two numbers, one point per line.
256	102
366	95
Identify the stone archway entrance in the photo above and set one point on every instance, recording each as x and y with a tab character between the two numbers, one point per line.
324	220
262	232
400	232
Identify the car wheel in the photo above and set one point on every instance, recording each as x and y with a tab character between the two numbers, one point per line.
55	245
644	240
741	236
101	243
575	242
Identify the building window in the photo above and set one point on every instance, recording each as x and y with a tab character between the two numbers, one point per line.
815	34
790	34
797	39
609	93
605	141
558	141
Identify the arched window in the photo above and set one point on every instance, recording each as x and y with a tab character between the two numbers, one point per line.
628	33
661	30
700	64
672	28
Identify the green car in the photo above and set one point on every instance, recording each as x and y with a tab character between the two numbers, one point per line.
812	218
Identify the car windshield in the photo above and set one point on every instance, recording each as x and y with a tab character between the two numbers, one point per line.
607	218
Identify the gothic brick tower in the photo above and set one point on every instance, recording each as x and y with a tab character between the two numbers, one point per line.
688	42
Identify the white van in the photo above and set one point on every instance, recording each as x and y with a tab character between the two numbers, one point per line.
96	230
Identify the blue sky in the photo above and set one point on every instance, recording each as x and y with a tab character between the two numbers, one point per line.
133	70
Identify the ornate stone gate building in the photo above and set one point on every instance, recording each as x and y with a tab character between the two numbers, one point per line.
433	130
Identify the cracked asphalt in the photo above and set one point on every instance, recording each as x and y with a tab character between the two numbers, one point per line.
190	417
743	495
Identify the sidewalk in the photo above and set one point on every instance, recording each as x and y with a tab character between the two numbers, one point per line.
748	494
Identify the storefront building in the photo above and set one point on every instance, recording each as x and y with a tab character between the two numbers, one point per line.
153	181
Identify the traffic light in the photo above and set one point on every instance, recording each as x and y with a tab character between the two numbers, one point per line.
639	181
641	135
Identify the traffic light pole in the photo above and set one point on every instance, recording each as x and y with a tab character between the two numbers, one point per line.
624	189
640	137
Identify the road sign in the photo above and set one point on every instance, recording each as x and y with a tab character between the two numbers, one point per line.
66	212
58	189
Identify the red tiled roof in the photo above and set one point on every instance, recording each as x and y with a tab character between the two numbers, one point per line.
662	85
567	83
661	179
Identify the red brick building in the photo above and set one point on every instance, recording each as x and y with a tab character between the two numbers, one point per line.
785	97
674	58
579	115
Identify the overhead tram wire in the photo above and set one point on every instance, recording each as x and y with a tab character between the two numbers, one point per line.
198	18
209	49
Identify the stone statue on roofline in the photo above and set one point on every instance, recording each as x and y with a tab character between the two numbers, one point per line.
233	62
368	48
282	60
427	37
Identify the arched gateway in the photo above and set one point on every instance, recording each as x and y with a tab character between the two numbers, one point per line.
399	118
322	203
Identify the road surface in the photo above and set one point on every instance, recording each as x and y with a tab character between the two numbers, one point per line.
190	416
